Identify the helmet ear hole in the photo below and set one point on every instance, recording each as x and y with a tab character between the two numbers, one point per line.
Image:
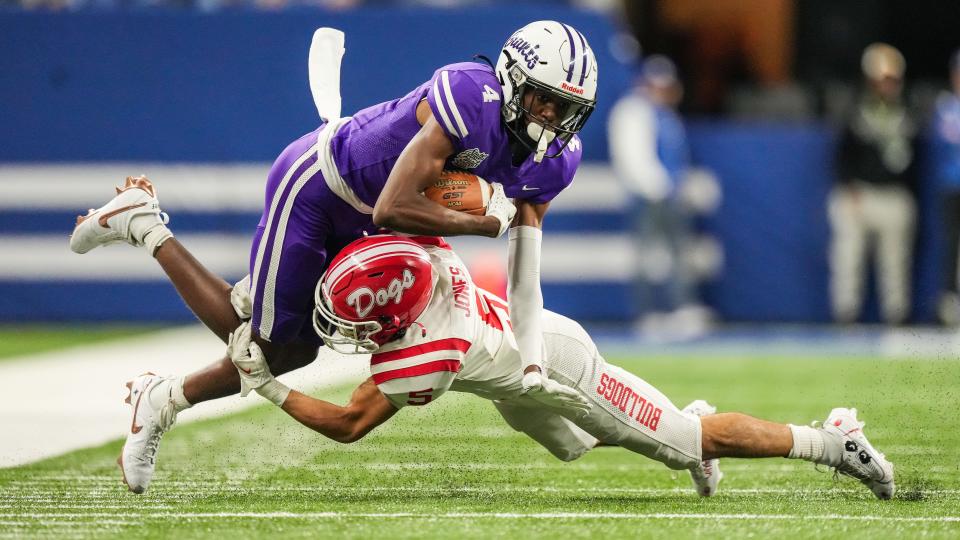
391	329
389	322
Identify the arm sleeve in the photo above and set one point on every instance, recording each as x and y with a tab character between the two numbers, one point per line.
418	374
523	294
458	105
633	149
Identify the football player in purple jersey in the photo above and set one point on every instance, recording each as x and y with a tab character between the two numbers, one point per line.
514	123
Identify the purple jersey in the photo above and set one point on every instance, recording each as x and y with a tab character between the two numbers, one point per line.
465	99
305	222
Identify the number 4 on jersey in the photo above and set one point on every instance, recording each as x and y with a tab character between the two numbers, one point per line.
489	94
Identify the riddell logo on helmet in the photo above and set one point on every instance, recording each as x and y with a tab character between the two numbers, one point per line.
569	88
364	298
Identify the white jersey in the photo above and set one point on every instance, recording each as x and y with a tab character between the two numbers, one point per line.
463	341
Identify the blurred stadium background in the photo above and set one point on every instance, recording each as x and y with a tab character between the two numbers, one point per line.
201	95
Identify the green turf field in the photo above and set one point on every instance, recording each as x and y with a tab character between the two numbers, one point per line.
453	469
19	340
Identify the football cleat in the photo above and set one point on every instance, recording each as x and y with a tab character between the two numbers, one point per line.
707	475
114	222
858	457
150	421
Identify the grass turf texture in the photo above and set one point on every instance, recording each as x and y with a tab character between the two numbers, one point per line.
19	340
454	469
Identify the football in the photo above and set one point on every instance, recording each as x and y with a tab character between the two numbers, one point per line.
460	191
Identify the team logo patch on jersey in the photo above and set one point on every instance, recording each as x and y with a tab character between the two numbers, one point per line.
469	159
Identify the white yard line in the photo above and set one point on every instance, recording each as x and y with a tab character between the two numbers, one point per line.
131	517
41	495
68	399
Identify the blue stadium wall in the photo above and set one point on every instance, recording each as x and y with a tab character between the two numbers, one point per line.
188	88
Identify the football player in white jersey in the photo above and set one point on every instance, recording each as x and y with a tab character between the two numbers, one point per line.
412	305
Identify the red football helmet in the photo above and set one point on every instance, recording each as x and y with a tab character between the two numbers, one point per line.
372	292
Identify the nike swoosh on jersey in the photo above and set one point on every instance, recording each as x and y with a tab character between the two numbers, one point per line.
528	188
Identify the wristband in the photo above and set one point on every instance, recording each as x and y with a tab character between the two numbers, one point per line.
274	391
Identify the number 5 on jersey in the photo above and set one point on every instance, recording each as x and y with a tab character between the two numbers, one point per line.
420	397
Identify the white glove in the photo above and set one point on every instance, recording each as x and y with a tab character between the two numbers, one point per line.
249	360
500	207
554	395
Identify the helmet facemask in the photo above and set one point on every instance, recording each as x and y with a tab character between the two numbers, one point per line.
342	335
352	337
573	113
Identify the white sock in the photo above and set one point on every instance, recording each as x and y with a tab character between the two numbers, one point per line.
807	443
169	390
156	236
150	230
179	400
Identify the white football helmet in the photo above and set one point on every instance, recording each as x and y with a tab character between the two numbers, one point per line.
551	57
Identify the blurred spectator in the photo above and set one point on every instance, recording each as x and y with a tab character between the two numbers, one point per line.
872	205
651	156
945	141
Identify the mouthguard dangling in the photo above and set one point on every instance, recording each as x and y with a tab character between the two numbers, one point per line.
543	137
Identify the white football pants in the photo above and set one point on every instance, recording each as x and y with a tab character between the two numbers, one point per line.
627	411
